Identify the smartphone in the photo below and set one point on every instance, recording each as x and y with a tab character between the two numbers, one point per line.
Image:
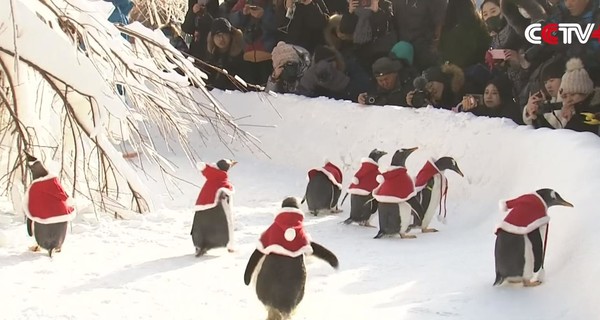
477	99
498	54
364	3
252	7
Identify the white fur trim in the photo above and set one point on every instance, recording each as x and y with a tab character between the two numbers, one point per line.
329	176
524	230
392	199
355	180
289	209
368	160
359	192
277	249
200	207
380	178
502	206
201	165
57	219
289	234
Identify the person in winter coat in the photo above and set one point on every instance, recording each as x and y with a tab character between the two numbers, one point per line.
326	77
497	101
121	13
301	23
444	86
289	64
544	105
256	19
197	23
175	38
464	39
392	84
372	30
224	50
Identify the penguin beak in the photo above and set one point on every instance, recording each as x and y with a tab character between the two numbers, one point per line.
233	163
457	170
411	150
562	202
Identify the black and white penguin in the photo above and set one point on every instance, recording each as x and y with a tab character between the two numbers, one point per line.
395	195
521	237
277	264
213	220
47	208
432	187
324	189
362	203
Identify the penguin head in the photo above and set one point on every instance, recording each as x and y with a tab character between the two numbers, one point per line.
36	167
375	155
552	198
400	156
290	202
226	164
448	163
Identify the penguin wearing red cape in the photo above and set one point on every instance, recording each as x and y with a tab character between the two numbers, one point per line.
47	208
277	264
362	203
521	237
213	221
432	186
396	197
324	189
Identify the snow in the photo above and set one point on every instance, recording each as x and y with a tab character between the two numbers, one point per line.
144	267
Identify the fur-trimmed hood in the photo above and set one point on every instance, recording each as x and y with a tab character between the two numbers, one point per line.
456	77
332	34
235	48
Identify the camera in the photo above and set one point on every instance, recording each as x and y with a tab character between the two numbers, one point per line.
421	97
548	107
290	71
371	98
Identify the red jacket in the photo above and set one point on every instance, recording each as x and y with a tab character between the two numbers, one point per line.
286	235
527	213
216	180
365	179
46	201
427	172
397	186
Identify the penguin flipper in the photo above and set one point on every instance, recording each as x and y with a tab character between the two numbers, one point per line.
537	247
417	207
30	227
323	253
252	263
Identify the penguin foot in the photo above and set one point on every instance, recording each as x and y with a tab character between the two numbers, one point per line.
366	224
348	221
515	281
336	210
407	236
200	252
57	249
35	248
230	250
428	230
379	235
529	283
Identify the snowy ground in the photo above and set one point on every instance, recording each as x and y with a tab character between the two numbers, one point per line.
144	268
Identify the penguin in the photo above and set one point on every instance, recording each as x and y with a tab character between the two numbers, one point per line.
432	187
362	203
324	189
396	197
521	237
213	220
47	208
277	264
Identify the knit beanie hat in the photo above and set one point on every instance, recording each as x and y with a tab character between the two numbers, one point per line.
403	51
553	70
385	65
220	25
576	79
436	74
283	53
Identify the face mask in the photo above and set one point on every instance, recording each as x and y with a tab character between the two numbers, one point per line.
524	13
495	23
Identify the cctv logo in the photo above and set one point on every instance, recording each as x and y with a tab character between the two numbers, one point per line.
535	33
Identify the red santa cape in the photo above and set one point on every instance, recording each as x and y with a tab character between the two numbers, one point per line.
426	173
527	213
365	179
333	173
286	235
46	201
216	180
395	186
